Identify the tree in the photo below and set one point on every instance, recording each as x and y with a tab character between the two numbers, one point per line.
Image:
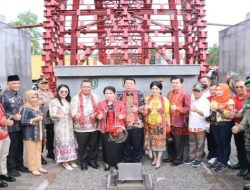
213	58
29	18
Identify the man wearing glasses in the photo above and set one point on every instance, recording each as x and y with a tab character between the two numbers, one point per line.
240	90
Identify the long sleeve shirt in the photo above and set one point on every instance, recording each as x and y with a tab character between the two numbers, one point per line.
3	129
181	99
31	132
88	125
197	122
12	104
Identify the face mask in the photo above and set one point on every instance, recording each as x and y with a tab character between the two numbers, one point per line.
204	86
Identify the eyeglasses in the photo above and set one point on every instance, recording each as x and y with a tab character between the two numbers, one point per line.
66	91
239	87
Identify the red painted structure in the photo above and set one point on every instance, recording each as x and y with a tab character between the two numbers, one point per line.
124	32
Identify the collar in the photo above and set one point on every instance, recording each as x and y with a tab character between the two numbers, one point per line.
241	97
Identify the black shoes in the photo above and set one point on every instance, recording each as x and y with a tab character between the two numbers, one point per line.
23	169
84	166
176	163
247	176
246	187
13	173
44	162
235	167
220	168
106	167
116	167
7	178
242	172
51	155
3	184
189	161
93	165
167	160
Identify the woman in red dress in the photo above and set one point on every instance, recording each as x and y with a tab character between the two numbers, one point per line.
111	114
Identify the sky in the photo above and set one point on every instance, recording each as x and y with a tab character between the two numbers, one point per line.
218	11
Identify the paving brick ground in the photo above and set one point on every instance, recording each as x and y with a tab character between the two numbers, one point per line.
165	178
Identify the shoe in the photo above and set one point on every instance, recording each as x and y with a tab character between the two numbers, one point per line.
221	168
14	173
73	165
211	161
97	165
167	160
43	170
106	167
196	163
188	161
36	173
246	187
44	162
51	155
176	163
7	178
23	169
92	164
3	184
229	164
116	167
215	165
247	176
235	167
242	172
84	166
67	166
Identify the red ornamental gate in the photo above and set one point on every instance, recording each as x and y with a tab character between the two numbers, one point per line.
123	32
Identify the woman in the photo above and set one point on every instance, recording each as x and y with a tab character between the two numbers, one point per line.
32	131
157	122
111	114
223	109
64	141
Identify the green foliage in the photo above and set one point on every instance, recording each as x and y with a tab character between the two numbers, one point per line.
29	18
213	58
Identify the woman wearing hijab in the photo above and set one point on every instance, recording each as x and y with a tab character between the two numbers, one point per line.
223	109
157	122
32	131
64	141
111	114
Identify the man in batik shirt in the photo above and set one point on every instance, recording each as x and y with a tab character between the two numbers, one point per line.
134	101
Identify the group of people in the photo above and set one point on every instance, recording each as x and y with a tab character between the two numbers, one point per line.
72	128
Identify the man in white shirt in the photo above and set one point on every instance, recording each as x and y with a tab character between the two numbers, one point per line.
206	82
83	111
200	109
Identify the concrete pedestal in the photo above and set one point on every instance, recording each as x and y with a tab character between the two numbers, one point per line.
113	76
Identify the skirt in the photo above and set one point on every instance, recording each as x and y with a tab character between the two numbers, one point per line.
111	151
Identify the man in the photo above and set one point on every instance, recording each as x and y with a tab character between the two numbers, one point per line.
4	148
199	111
245	126
12	103
239	138
44	98
179	110
206	82
134	101
247	83
83	107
